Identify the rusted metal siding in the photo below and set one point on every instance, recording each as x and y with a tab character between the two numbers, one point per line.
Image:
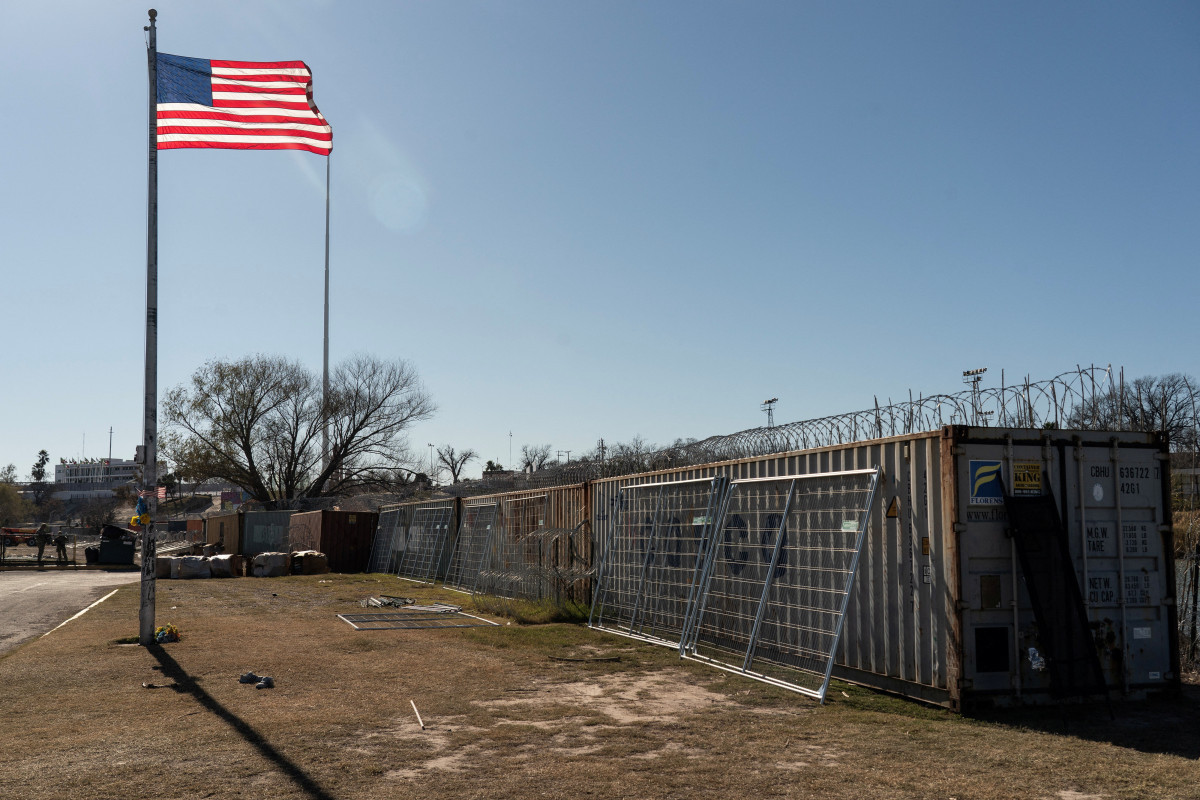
304	532
343	536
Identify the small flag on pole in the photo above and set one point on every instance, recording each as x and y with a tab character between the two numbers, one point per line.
238	105
162	493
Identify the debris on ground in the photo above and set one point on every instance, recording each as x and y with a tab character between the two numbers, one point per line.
259	681
387	600
408	604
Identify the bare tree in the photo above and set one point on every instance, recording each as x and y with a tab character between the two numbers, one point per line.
257	423
455	461
534	457
1163	403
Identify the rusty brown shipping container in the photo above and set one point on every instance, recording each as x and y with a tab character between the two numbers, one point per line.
343	536
958	577
224	530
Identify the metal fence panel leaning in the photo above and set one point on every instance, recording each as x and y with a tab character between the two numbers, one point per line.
773	594
540	549
383	550
474	538
511	566
657	542
428	536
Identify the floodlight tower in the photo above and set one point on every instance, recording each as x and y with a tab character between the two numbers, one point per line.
769	407
972	377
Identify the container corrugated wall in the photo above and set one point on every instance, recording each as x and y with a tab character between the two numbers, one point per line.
932	612
265	532
1111	491
547	547
898	625
343	536
304	532
225	530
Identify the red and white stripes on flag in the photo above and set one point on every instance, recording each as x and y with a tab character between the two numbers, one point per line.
240	105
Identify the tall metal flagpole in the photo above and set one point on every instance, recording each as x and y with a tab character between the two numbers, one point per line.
325	360
150	398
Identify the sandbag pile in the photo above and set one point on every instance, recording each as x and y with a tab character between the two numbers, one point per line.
271	565
309	562
228	566
263	565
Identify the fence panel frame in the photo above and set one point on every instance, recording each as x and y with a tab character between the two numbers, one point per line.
650	563
688	649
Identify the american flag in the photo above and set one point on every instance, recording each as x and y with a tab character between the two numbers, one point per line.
239	105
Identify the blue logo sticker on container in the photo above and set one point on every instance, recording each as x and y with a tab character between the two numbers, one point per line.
985	483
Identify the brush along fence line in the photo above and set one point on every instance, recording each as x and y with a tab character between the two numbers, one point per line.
934	608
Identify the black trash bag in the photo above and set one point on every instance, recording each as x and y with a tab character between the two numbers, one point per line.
91	554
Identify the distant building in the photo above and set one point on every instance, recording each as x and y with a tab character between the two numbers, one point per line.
100	470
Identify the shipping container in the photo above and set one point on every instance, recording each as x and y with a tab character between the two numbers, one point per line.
224	530
343	536
265	532
999	566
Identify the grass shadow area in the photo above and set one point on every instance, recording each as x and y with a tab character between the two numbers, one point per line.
1165	725
186	684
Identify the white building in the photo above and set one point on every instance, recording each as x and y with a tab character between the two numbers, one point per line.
96	470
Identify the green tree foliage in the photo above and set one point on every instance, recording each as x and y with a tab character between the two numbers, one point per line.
13	508
40	489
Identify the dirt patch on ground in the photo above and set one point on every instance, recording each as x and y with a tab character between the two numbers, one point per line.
635	699
510	712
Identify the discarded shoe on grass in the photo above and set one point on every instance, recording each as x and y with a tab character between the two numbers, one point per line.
265	683
249	677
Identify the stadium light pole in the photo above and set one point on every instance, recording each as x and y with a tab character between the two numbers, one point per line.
150	388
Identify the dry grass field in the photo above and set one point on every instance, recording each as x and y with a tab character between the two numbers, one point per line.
517	711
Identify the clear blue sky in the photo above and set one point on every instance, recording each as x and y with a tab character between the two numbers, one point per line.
608	218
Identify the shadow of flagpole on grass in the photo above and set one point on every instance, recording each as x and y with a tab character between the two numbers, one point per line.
184	683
